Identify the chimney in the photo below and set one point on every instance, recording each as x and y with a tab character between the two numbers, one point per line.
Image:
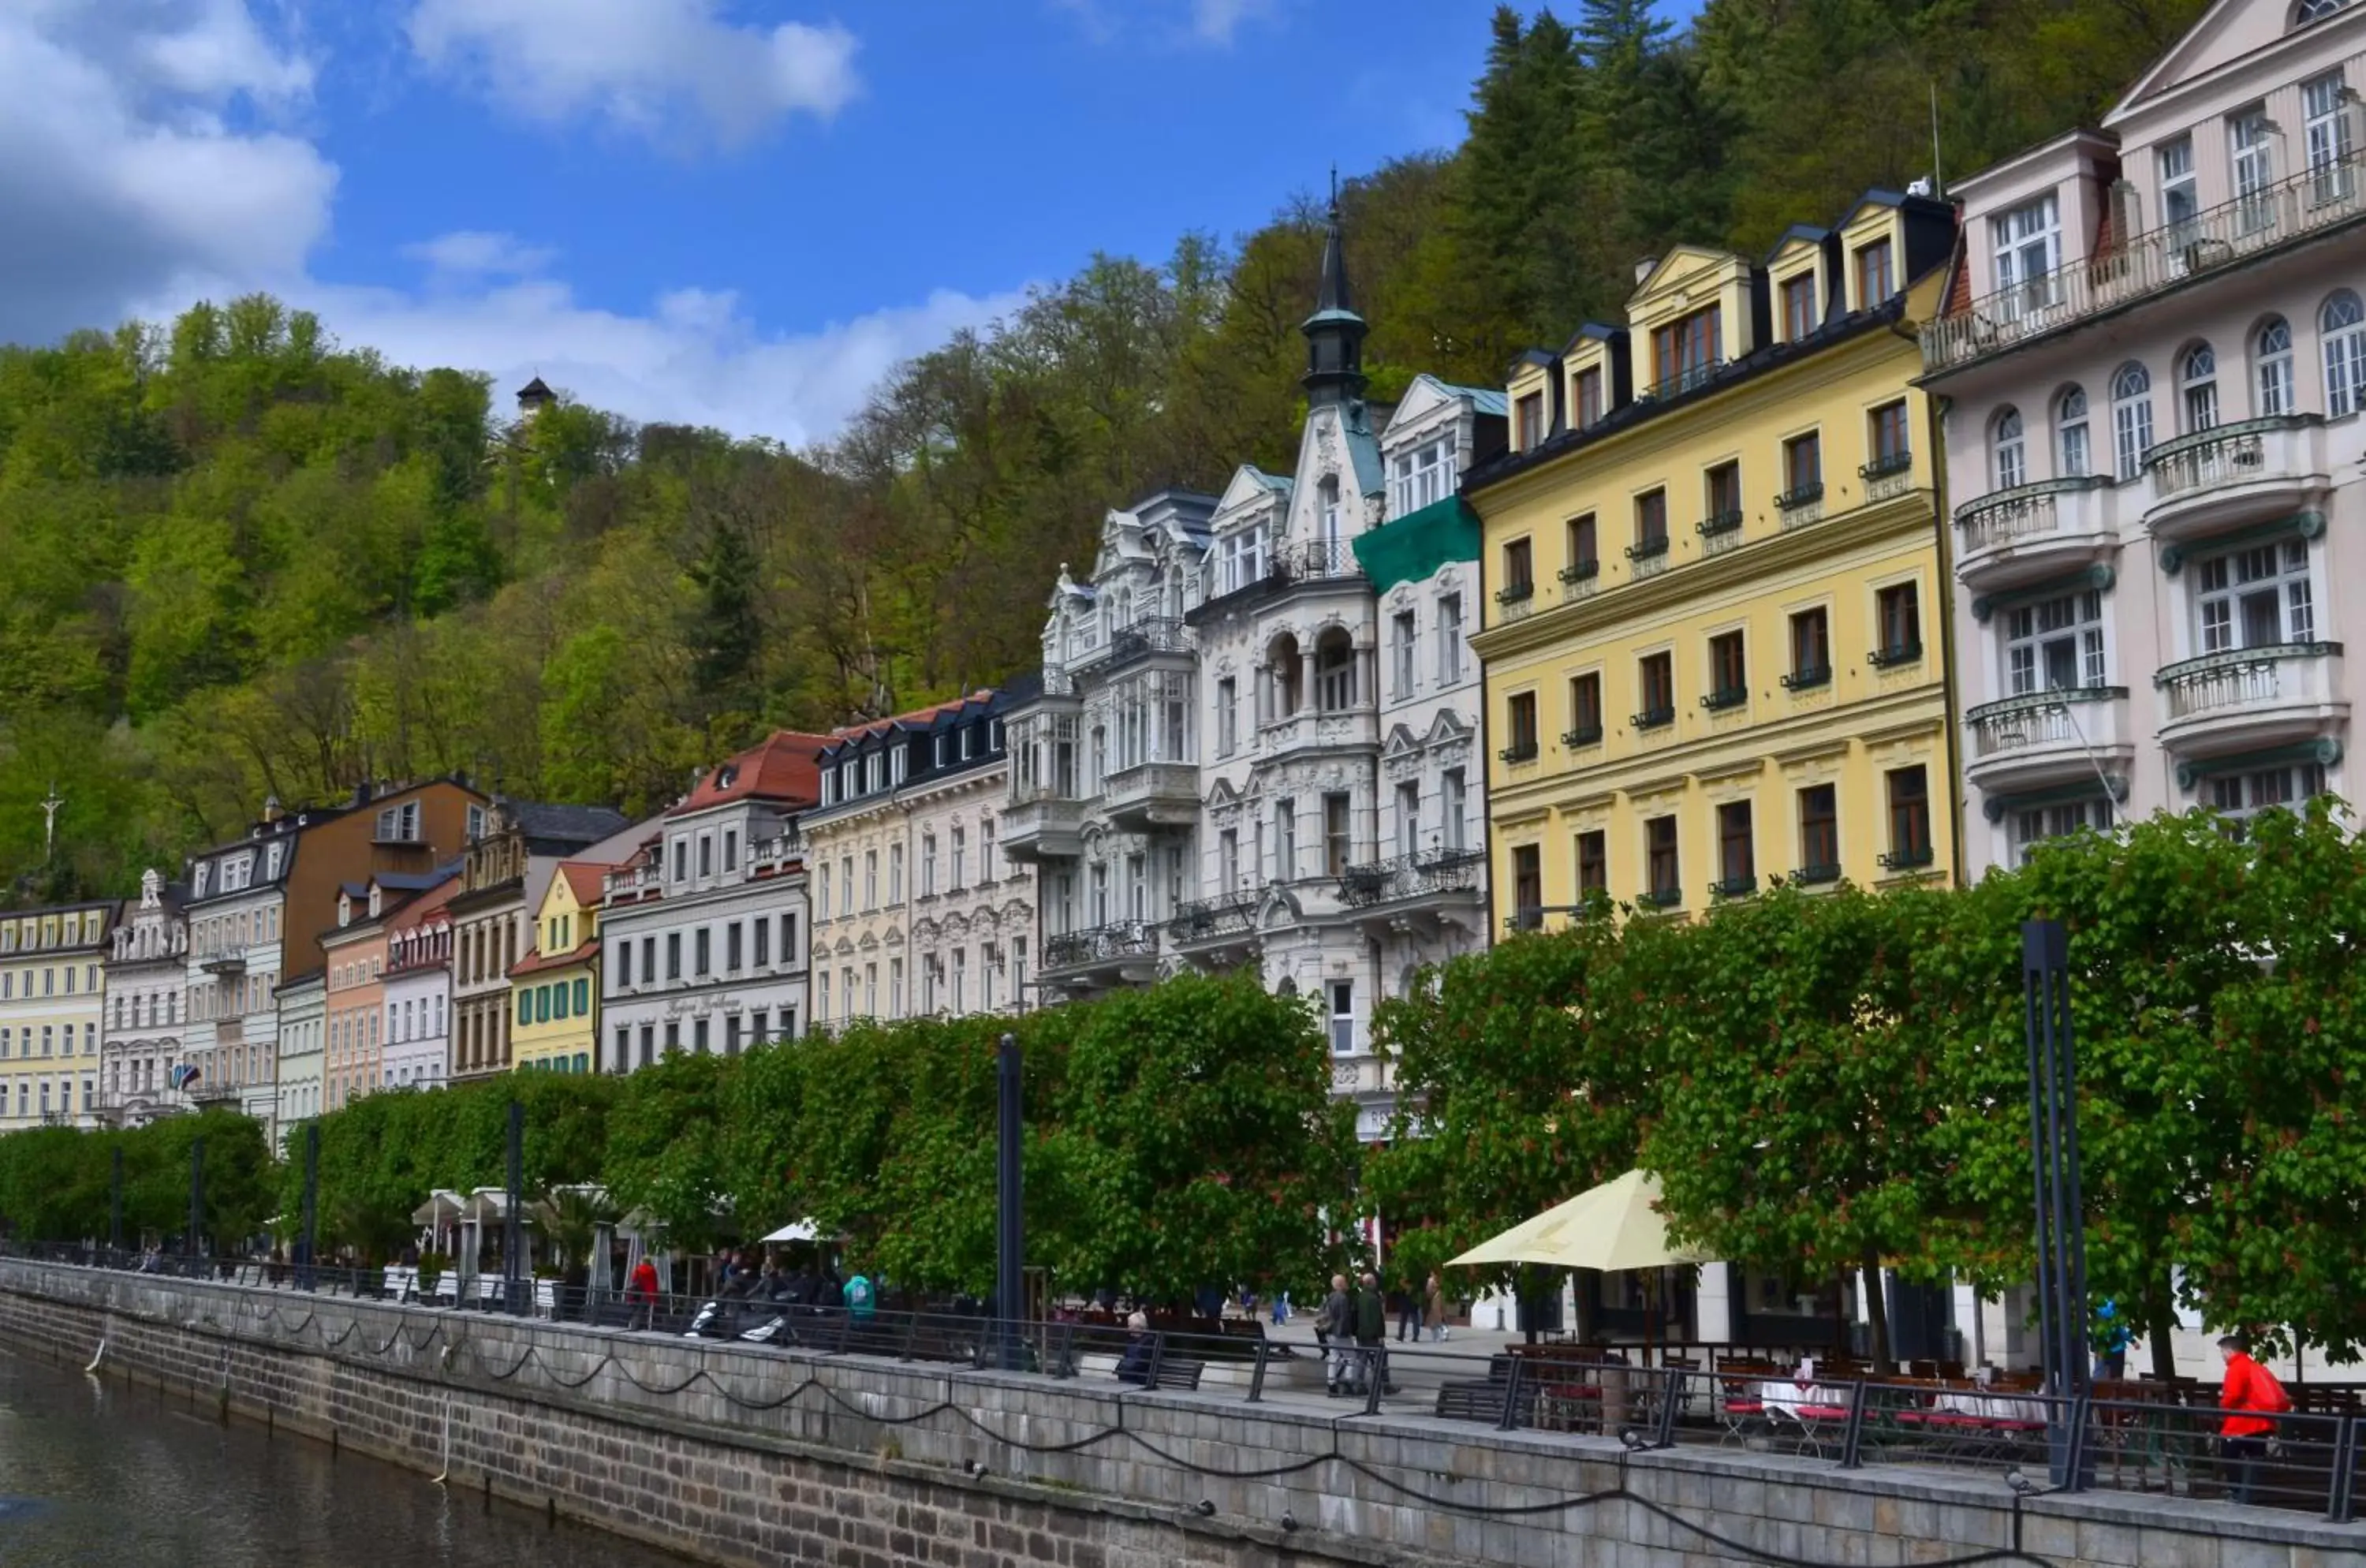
1643	269
272	810
362	793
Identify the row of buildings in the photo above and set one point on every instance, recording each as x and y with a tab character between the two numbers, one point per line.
1947	527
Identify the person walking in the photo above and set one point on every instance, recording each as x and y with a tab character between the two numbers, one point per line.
2111	1358
2251	1398
641	1295
1437	1306
1372	1335
1411	1305
1334	1328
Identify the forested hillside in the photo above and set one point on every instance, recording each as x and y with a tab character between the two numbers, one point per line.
237	559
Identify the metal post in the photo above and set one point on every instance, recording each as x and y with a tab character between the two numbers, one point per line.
115	1205
1009	1231
513	1221
308	1244
197	1197
2053	1150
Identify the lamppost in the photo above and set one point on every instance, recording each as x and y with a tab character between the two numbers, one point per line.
2061	1228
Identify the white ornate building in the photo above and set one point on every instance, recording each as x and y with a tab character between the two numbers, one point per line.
1258	737
147	990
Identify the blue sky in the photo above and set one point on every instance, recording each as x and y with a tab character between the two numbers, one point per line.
736	211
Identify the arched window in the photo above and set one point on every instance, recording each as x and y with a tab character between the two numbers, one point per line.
2011	453
2070	433
2131	419
2275	367
1331	546
2343	322
1335	671
1284	668
2308	11
2197	377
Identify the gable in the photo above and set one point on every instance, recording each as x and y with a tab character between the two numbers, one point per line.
1250	485
1686	269
2229	30
1424	397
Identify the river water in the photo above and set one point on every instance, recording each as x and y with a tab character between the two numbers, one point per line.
96	1471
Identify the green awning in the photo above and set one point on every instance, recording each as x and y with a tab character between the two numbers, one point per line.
1413	546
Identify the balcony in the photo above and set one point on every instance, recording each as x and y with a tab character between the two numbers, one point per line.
2045	739
1579	580
2034	531
1726	889
1124	954
1390	890
1654	718
2299	208
1721	532
2250	697
1647	556
1886	479
1138	641
1581	736
1808	678
1151	795
1724	698
1311	563
1214	922
1513	601
2234	473
1320	729
1042	824
1908	861
1802	505
230	962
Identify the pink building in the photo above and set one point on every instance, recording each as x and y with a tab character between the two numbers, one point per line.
2153	373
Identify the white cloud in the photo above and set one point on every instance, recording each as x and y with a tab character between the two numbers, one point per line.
472	253
1206	22
123	165
651	67
1217	20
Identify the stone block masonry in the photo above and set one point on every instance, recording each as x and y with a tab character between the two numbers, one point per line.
733	1455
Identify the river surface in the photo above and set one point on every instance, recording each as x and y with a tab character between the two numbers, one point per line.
96	1472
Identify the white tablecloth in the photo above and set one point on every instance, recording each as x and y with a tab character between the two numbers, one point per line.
1788	1398
1991	1407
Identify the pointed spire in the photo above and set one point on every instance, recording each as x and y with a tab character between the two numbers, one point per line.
1334	333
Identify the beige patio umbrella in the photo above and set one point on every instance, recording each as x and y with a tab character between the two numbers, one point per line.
1615	1226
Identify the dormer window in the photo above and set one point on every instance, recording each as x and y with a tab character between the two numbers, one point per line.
399	823
1529	417
1799	306
1240	559
2308	11
1687	349
1590	404
1877	274
1421	477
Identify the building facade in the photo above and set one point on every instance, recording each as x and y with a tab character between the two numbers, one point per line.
147	981
1711	555
258	906
555	990
303	1029
704	930
419	985
508	868
2154	367
1257	737
916	910
51	998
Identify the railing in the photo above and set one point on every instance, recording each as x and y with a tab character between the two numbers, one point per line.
1514	600
1914	857
1684	380
2039	718
1888	476
1719	531
1808	677
1412	876
1724	698
1727	887
1312	560
2222	454
2024	511
1660	898
2245	677
1143	638
1647	556
1816	874
1151	781
1204	918
230	960
1100	944
1654	718
1802	505
1582	735
1894	655
1519	751
1579	580
2291	209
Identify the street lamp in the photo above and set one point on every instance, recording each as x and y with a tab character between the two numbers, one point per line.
2061	1230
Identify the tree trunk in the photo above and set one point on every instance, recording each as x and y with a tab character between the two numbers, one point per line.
2160	1327
1877	1308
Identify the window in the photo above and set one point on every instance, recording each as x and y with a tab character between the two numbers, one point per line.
731	948
583	995
2010	450
2240	796
894	993
707	854
1799	306
1335	671
1449	639
1899	616
788	938
1650	525
1228	716
1592	863
1421	477
1686	350
1584	551
1585	710
1343	1017
1909	818
1519	572
1326	520
2054	644
1589	396
2326	131
986	847
1803	471
2197	378
2028	250
1891	451
1528	888
1655	679
894	883
1877	277
2178	202
731	850
1737	863
870	880
928	865
2252	139
2254	598
846	884
2343	323
1452	799
1721	494
1520	715
1820	834
396	824
821	887
1338	845
2131	419
674	955
1402	641
1242	559
1408	819
1531	421
1728	674
2275	369
1285	838
2070	431
1659	861
702	949
961	859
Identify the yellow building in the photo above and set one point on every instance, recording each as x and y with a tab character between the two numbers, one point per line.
555	990
50	996
1714	640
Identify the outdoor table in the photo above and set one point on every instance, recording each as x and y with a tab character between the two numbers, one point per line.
2001	1409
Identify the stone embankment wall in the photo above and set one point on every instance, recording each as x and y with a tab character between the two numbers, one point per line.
736	1456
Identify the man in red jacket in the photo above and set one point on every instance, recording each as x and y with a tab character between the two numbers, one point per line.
2251	1397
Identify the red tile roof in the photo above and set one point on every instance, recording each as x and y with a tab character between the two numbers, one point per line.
781	769
533	961
585	878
